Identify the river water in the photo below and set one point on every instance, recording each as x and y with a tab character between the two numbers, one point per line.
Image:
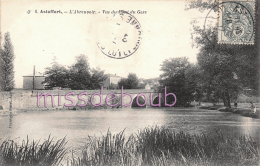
78	125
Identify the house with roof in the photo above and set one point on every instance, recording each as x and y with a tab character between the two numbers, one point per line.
112	80
33	82
147	86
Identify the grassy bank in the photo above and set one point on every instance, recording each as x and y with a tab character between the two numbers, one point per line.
158	146
243	109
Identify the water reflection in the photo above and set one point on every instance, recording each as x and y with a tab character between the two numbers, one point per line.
77	125
10	119
251	127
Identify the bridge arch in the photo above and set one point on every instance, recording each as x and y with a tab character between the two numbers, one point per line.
156	101
141	100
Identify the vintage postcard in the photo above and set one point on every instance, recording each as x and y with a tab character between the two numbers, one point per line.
133	83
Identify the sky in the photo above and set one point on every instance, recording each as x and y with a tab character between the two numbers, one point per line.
38	37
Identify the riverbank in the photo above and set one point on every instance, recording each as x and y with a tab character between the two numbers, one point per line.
243	109
150	146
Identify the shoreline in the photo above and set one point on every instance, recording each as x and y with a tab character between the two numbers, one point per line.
246	112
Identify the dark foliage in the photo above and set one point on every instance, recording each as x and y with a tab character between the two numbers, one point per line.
131	82
175	79
7	64
80	73
79	76
57	76
227	68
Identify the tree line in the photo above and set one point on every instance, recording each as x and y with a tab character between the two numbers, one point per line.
77	76
222	71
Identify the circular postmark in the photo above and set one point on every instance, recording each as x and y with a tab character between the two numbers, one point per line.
119	35
235	21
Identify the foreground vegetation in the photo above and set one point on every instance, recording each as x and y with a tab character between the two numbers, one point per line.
32	153
157	146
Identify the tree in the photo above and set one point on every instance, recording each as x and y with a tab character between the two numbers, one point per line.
77	77
56	76
113	86
226	68
195	76
80	74
7	64
131	82
175	79
123	83
97	78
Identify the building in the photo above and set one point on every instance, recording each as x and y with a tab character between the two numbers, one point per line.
152	83
29	81
147	86
112	81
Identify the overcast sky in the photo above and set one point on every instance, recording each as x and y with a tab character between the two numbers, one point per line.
37	38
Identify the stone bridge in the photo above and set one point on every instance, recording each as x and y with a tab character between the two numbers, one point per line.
60	99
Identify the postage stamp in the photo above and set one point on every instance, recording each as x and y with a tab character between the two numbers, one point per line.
236	22
119	35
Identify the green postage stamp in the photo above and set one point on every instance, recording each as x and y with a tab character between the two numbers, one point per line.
236	22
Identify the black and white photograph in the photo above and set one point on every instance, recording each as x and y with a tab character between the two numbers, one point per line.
129	83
